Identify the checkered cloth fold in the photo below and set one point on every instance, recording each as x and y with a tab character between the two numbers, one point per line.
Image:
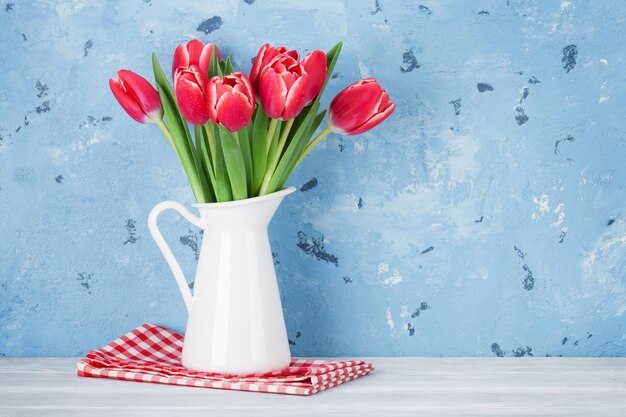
152	353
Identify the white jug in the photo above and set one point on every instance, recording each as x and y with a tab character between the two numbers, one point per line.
236	322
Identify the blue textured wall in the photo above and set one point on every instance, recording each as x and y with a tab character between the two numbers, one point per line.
485	217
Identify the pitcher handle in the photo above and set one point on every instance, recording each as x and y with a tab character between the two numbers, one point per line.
165	249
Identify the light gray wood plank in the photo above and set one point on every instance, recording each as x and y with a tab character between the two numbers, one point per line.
399	386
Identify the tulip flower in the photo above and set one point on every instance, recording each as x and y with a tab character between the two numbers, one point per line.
359	107
231	100
190	91
315	65
263	57
194	53
137	97
356	109
283	87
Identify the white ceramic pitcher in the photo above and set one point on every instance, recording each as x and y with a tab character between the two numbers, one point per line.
236	322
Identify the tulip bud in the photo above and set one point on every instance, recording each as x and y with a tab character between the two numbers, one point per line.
263	57
137	97
315	65
231	100
190	91
194	53
283	87
359	107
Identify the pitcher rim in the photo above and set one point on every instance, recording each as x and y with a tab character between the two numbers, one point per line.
280	193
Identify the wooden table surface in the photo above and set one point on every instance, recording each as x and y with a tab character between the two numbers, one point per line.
399	387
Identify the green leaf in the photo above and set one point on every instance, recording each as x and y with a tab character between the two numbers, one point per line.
298	141
206	151
202	167
316	122
259	149
331	61
208	168
234	163
222	188
314	125
214	66
197	153
177	127
228	66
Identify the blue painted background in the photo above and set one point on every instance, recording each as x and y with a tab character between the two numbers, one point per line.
485	217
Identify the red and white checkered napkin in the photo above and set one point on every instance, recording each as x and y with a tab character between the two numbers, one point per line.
152	353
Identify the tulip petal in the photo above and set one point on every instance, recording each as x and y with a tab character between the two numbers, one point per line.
296	98
204	61
234	111
211	98
181	59
293	53
289	78
223	88
177	72
200	77
241	83
258	64
384	102
374	121
147	96
192	102
128	103
315	66
248	84
195	48
273	92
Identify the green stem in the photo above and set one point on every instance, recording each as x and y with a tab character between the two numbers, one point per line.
313	144
198	135
283	138
167	134
209	134
197	132
270	133
276	157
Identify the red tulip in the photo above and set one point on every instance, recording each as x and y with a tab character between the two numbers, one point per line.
283	87
359	107
231	100
194	53
265	55
190	90
315	65
137	97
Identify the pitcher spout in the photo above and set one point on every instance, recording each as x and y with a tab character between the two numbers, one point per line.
242	213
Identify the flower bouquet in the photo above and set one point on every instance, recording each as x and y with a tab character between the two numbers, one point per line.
249	132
